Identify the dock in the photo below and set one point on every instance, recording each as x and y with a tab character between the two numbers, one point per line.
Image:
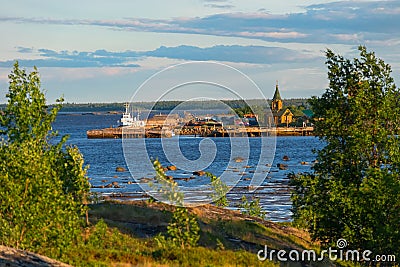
135	132
128	132
246	131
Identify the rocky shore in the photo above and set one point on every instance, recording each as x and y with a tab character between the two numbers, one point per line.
12	257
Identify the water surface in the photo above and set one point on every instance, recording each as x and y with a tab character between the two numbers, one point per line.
104	155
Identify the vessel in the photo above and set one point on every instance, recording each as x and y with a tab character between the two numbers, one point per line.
128	121
130	127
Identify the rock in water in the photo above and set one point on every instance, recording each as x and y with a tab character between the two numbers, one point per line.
171	168
199	173
238	159
120	169
282	166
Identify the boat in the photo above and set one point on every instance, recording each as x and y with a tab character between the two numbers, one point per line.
131	127
128	121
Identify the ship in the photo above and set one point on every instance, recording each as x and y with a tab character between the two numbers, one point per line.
128	121
130	127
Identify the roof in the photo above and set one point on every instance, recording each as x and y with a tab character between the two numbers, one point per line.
308	113
281	112
277	95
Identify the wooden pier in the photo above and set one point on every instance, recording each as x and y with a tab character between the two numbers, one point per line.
294	131
252	131
128	132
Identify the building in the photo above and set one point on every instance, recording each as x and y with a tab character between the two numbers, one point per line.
161	120
277	103
280	114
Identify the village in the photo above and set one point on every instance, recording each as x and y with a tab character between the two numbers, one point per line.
280	121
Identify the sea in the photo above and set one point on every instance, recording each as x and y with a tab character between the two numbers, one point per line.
103	156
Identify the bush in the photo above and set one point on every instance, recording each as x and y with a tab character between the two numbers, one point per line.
183	230
219	191
252	208
43	186
354	191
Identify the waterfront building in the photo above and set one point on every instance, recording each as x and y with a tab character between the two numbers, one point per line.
280	114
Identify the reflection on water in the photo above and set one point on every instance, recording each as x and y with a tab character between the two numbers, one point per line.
104	155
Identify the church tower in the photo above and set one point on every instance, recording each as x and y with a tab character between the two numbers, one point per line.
277	103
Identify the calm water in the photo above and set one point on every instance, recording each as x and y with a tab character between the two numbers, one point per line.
104	155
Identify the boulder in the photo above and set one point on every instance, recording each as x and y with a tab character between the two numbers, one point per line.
286	158
238	159
145	180
16	257
282	166
120	169
171	168
199	173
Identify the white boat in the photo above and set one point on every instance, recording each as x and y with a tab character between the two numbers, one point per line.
128	121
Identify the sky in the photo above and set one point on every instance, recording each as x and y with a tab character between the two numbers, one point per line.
103	51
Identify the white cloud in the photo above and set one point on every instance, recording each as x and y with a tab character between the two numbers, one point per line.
354	37
134	59
115	49
275	35
319	22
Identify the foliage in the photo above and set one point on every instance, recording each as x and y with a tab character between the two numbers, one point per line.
219	191
168	188
98	234
183	229
170	105
354	191
43	186
242	111
252	208
259	109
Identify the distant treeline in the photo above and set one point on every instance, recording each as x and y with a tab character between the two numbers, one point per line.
170	105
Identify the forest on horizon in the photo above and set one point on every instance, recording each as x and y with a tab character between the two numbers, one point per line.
169	105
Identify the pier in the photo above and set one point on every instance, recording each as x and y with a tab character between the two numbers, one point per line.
246	131
134	132
128	132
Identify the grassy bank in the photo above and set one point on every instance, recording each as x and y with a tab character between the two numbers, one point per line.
123	234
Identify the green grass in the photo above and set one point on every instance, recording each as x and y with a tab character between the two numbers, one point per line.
106	246
123	234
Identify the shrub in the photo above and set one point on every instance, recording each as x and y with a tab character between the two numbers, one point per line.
354	191
252	208
183	230
43	186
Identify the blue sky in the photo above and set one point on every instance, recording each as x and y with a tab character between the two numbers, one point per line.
101	51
